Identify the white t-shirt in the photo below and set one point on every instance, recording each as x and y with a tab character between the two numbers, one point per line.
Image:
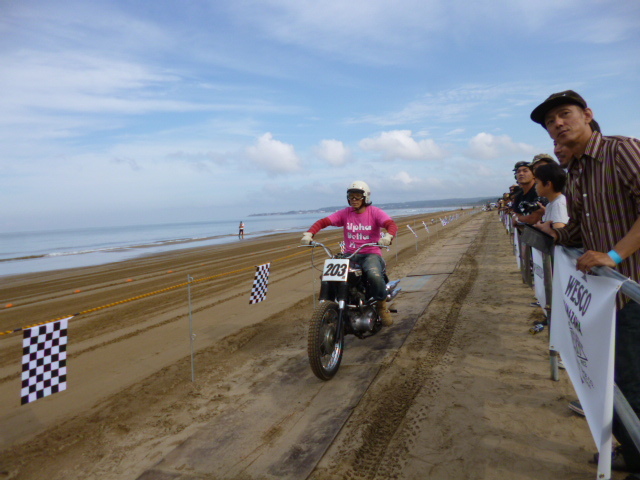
557	211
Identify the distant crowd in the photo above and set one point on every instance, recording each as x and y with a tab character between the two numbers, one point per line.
589	197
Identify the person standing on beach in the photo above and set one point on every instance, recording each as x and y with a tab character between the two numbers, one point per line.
241	230
362	224
603	197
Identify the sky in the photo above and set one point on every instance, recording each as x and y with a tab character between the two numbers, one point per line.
121	112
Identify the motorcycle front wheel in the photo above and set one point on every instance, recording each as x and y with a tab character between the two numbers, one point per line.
325	343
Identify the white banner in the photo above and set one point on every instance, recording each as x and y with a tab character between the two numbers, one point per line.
538	278
505	220
516	244
583	331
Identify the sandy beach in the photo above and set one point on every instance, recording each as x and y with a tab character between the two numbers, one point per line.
467	395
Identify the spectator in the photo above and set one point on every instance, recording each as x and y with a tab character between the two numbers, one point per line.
513	191
562	153
603	197
541	159
503	204
550	182
525	206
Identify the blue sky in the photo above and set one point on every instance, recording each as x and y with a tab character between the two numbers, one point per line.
122	112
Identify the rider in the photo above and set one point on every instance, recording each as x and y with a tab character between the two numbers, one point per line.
362	223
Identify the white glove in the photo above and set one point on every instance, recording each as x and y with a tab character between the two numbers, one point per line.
307	238
386	240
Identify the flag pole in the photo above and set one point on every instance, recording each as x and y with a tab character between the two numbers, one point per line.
191	334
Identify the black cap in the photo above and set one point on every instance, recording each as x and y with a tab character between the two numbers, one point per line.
554	100
521	164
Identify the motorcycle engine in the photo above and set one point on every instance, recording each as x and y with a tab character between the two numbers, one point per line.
363	322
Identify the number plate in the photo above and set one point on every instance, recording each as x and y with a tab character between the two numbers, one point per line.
335	270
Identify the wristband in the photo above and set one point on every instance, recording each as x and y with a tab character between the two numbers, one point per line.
615	256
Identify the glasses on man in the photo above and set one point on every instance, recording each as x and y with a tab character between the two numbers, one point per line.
355	197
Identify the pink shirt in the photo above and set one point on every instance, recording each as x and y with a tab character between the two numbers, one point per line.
360	228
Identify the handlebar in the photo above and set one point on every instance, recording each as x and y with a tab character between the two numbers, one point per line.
330	253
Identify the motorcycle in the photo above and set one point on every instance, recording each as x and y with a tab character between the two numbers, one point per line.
342	309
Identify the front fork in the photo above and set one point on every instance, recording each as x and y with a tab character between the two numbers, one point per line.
341	297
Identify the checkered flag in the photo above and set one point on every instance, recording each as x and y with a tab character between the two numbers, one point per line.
260	282
44	360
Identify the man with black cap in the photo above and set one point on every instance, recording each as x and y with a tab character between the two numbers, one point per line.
525	208
603	199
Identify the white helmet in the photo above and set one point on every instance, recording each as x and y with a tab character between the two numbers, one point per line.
360	187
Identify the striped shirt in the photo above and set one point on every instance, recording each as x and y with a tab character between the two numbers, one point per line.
603	198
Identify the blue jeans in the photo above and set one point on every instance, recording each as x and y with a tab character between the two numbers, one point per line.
627	375
373	267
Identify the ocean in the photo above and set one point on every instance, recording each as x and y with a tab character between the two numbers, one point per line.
39	251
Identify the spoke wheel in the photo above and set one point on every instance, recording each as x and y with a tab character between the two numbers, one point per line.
325	343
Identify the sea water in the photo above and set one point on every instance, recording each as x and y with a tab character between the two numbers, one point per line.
37	251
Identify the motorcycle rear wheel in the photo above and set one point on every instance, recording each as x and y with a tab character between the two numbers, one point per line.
325	344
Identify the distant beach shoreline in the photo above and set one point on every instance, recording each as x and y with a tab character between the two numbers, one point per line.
32	252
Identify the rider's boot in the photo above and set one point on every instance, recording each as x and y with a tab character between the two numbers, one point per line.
384	313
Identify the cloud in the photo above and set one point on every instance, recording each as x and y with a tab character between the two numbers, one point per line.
81	83
334	152
274	155
458	105
400	145
132	163
364	31
403	182
420	110
404	178
486	146
369	32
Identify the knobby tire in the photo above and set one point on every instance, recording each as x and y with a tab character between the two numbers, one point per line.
325	344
